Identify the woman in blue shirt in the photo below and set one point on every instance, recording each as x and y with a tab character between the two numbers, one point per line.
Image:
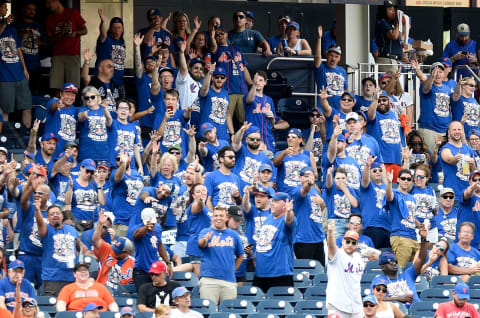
436	263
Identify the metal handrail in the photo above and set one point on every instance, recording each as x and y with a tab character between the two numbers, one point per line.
475	76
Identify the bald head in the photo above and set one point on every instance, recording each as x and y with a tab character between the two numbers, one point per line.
105	69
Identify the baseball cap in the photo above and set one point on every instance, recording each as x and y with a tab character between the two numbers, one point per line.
306	169
166	69
176	146
446	61
280	196
293	24
219	71
295	131
26	154
150	57
179	292
375	164
235	212
31	301
158	267
388	3
127	311
463	29
335	48
3	149
341	138
91	306
70	144
69	87
437	64
351	235
474	132
103	164
116	20
383	93
379	280
462	291
88	164
110	216
352	115
446	190
206	127
249	13
265	166
78	265
386	257
152	12
370	298
284	17
474	173
196	60
252	130
149	215
16	264
384	76
263	191
48	136
351	95
27	168
123	244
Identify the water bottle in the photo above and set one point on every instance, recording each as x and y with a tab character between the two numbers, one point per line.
284	45
208	60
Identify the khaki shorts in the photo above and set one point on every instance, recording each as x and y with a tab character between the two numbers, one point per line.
65	69
404	249
236	107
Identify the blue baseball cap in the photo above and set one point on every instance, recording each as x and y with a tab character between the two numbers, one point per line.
27	168
474	132
280	196
88	164
152	12
249	13
91	306
295	131
196	60
386	257
446	61
206	127
341	138
263	191
252	130
351	95
265	166
379	280
305	169
383	93
293	24
29	155
179	292
61	155
122	245
69	87
370	298
48	136
462	291
219	71
16	264
375	164
31	301
127	311
150	57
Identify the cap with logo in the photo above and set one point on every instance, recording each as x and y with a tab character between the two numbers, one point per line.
158	267
463	29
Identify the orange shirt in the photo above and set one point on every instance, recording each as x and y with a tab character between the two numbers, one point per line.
110	272
5	313
77	298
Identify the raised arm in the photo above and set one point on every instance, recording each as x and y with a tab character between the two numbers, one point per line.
366	171
32	140
237	138
324	96
192	144
102	27
332	245
389	190
427	85
207	81
317	59
97	234
137	41
197	23
87	57
183	69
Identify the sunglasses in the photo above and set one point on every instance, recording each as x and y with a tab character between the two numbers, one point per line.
405	178
315	115
375	170
381	289
471	85
420	177
239	16
89	171
440	247
352	242
106	227
92	97
254	139
347	99
174	152
384	83
220	34
383	100
229	157
39	192
366	305
416	143
448	197
219	77
117	159
28	306
355	222
476	180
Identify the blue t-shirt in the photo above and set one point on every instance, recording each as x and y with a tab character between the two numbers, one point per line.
372	206
273	42
30	242
426	203
402	214
59	253
197	222
221	186
124	195
11	69
247	41
162	208
338	205
144	99
255	114
254	220
361	104
93	138
361	149
471	108
386	130
214	110
7	290
454	47
158	37
405	281
114	50
183	226
328	39
62	123
274	247
435	113
351	167
173	133
288	174
247	165
218	258
87	239
309	217
146	248
30	34
210	161
123	136
334	80
454	174
231	59
60	184
386	45
447	223
84	201
470	211
457	256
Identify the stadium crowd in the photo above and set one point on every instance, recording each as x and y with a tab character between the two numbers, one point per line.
187	177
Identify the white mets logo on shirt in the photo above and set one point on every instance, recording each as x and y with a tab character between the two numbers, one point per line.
265	237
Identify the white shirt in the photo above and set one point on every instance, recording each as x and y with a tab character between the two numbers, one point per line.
188	90
344	274
175	313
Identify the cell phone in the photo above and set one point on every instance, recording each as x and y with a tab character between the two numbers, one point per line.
464	52
249	245
170	108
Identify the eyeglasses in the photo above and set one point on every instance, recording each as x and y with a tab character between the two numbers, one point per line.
254	139
448	197
347	99
39	192
467	233
109	65
384	83
230	157
416	143
471	85
381	289
92	97
239	16
220	33
474	139
393	262
174	152
219	77
153	274
352	242
89	171
420	177
106	227
375	170
476	180
292	136
440	247
405	178
383	100
315	115
28	305
366	305
123	108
